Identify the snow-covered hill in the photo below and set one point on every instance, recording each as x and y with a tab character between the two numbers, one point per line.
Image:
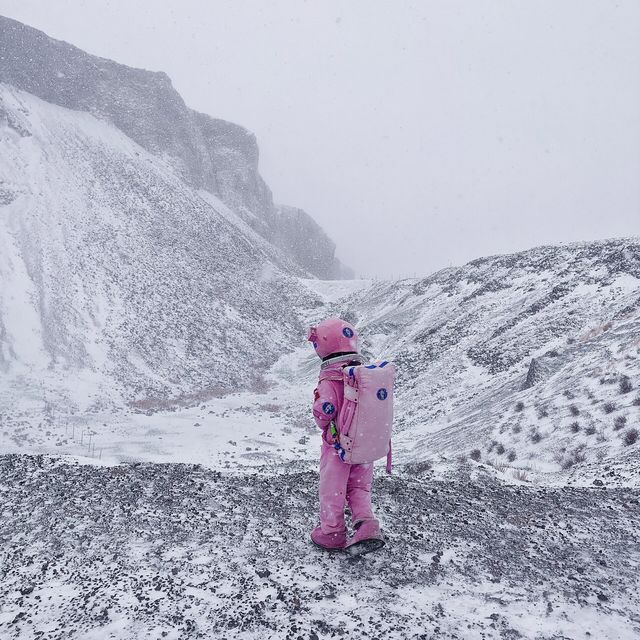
527	360
120	281
528	363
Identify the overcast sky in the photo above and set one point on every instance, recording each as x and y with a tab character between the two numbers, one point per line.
418	134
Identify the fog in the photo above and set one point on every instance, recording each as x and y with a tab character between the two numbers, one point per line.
418	135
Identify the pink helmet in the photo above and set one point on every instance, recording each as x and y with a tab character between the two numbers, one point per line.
333	335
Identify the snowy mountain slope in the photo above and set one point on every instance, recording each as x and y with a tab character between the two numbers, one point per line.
464	340
521	420
116	273
208	153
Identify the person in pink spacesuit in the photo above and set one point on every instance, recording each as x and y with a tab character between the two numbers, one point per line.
341	484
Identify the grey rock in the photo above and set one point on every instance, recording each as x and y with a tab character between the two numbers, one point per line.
297	233
532	375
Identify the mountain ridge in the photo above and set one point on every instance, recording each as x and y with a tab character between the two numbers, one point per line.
208	153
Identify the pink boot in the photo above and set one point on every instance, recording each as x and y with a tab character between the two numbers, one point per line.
329	541
367	538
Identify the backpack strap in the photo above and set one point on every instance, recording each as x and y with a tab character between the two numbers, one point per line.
389	459
350	393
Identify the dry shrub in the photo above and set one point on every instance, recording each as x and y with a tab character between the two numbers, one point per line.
520	474
543	412
619	422
499	465
630	437
625	384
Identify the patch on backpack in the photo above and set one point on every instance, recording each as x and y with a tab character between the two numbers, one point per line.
328	408
382	394
347	332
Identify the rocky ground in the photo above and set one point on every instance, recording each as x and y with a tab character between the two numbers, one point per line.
180	551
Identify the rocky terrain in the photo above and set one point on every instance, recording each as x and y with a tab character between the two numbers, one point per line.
207	153
179	551
530	360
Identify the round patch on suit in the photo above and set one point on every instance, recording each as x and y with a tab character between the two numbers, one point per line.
382	394
328	408
347	332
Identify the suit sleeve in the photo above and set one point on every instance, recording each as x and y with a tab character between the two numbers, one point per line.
325	404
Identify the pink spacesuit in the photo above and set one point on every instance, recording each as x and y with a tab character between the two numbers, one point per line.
341	484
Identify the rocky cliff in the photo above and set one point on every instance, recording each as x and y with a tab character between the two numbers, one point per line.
300	236
209	154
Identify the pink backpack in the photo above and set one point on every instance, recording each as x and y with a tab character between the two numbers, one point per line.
366	416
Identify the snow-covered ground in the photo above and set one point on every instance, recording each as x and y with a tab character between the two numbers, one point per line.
181	551
334	290
193	522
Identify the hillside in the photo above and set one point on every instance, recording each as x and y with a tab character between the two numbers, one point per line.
118	280
494	369
532	359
